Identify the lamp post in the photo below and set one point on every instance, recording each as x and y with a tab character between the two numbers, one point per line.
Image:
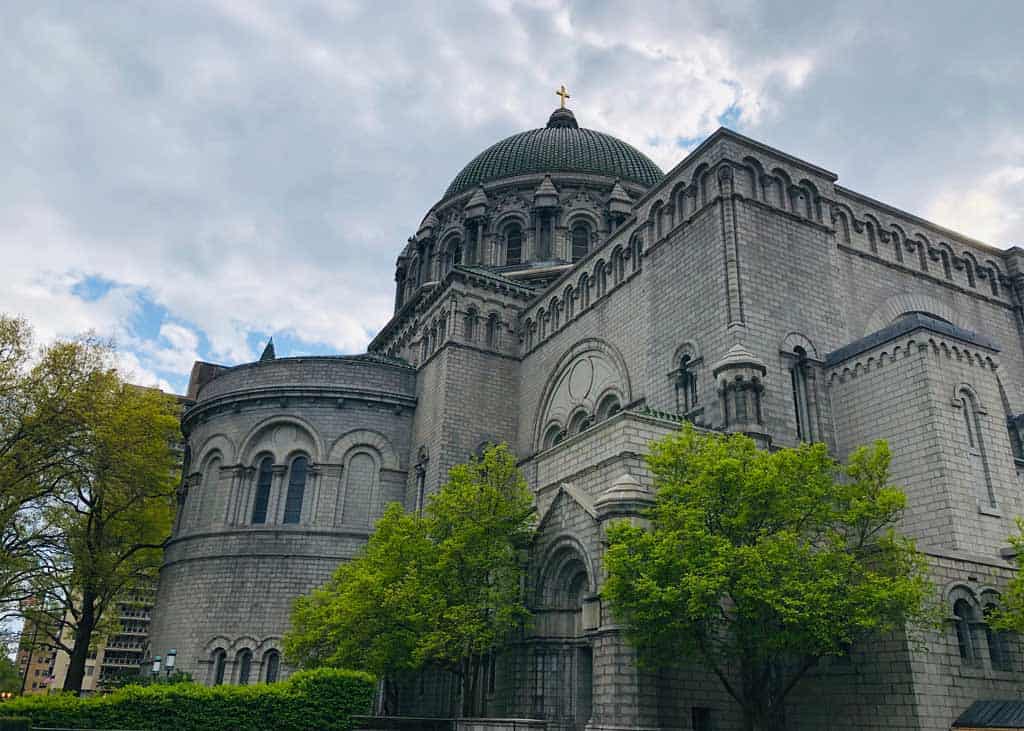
172	654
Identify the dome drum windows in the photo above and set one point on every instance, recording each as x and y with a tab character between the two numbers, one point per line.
513	244
580	238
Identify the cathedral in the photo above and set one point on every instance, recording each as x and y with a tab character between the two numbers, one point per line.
568	297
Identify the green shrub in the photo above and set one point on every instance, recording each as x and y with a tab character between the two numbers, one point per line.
312	699
15	724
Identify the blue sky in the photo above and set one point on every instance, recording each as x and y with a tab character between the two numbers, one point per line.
190	178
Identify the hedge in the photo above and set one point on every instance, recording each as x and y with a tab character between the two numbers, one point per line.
15	724
311	699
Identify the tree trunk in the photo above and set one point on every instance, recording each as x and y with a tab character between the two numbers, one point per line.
80	650
764	719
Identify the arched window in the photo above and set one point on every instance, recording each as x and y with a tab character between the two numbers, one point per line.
686	384
455	249
492	330
801	402
963	617
580	241
609	406
220	662
554	435
264	478
272	660
244	666
998	642
469	327
579	423
514	244
296	490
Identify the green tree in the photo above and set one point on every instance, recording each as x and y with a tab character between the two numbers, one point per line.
759	563
1010	616
375	608
481	524
440	589
44	398
112	513
10	678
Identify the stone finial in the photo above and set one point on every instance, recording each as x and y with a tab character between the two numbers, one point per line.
268	352
739	358
477	205
626	498
546	195
619	201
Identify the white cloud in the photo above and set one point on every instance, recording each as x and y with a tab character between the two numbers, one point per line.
247	167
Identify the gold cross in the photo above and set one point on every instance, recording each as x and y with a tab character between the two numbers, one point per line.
564	94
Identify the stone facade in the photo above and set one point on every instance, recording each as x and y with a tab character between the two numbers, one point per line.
577	316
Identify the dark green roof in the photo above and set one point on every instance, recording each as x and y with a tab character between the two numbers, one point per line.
560	147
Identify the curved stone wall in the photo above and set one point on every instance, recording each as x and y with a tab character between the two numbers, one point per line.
290	463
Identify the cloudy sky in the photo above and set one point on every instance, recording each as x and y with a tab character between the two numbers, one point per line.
189	178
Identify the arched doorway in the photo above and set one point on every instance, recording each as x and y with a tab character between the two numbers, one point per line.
563	658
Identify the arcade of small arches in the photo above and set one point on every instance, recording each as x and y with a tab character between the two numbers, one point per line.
856	226
477	329
243	662
598	279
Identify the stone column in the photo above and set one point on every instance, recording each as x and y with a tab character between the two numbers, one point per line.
624	695
275	505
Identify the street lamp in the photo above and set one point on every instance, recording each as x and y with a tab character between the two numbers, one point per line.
156	666
169	661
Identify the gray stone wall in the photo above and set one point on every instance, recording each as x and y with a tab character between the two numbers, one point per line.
228	580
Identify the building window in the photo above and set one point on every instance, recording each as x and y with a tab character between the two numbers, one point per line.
469	327
514	245
963	617
296	490
686	385
579	423
609	406
263	481
273	662
244	666
801	400
580	241
554	435
492	330
220	661
998	642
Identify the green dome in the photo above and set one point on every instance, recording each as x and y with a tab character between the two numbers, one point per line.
560	147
